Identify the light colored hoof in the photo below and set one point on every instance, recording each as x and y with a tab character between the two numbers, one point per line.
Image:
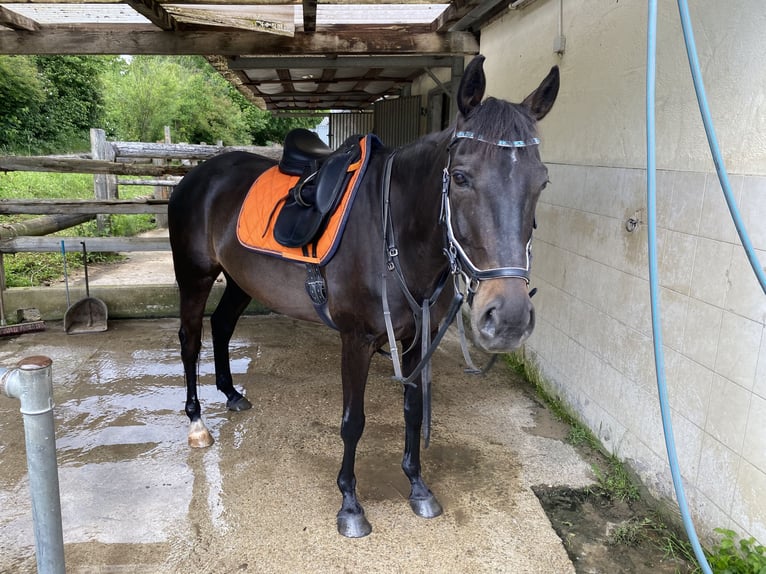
199	436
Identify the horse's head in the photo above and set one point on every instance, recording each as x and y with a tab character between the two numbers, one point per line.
495	179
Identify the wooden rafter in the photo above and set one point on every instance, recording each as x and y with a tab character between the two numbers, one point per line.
154	12
309	15
16	21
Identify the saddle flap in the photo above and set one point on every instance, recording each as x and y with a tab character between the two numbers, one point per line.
297	225
333	176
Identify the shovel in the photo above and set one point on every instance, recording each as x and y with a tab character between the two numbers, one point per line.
87	315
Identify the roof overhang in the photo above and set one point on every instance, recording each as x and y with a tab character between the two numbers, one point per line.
285	55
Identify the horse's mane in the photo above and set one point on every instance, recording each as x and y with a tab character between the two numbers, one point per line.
494	119
497	119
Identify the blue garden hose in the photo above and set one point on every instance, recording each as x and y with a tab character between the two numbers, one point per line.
654	287
699	88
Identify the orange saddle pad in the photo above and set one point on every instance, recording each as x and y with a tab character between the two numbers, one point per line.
255	226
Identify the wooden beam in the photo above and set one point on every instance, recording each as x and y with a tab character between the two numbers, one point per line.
360	40
110	244
309	15
327	63
457	10
43	225
355	94
270	20
16	21
154	12
74	165
478	15
90	207
185	151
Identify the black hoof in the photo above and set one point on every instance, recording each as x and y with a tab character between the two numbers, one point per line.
353	525
239	404
427	507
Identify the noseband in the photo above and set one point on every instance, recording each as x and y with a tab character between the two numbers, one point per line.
460	263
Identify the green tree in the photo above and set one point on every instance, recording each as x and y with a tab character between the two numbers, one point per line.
148	93
21	98
141	97
48	103
208	112
74	100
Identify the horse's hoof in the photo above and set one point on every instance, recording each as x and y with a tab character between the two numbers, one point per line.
427	507
199	436
353	525
240	404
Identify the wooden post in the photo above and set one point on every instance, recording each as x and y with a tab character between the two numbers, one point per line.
162	191
104	185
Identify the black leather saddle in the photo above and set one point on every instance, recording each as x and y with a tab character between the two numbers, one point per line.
302	149
323	178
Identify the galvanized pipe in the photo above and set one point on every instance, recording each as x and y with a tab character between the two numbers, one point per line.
31	382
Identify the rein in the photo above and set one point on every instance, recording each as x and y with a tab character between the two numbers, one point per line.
460	267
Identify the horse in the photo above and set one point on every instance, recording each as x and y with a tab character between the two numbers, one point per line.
459	204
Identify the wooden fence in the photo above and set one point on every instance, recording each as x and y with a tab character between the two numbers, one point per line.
113	164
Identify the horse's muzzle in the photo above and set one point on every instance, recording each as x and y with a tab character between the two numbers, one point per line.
502	315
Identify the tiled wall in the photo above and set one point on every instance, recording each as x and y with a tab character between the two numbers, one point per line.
593	340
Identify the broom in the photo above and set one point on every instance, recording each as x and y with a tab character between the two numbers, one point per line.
18	328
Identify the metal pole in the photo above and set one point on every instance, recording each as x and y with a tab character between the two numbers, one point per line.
32	383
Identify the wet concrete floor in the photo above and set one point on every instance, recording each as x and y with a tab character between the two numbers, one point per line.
137	499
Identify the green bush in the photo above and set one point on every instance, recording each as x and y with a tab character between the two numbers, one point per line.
730	557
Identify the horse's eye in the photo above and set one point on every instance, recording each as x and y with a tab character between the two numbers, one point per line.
459	178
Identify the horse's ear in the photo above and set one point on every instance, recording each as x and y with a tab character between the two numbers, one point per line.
541	100
472	86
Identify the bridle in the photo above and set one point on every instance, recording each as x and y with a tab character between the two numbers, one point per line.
459	261
460	267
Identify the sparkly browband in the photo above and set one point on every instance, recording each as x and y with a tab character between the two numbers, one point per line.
499	143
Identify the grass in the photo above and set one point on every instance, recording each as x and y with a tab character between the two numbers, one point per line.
35	269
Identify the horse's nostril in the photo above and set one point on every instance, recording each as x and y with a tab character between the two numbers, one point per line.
488	324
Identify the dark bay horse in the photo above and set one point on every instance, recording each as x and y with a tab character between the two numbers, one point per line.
458	203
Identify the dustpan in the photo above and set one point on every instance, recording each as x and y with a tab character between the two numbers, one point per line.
88	315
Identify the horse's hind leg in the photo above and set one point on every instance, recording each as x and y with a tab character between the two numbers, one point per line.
193	296
222	322
422	500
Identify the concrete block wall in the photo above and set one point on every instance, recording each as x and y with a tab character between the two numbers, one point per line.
593	341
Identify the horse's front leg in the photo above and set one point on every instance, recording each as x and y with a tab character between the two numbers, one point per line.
422	500
355	364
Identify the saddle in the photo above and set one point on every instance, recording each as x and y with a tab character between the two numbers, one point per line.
324	176
311	192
